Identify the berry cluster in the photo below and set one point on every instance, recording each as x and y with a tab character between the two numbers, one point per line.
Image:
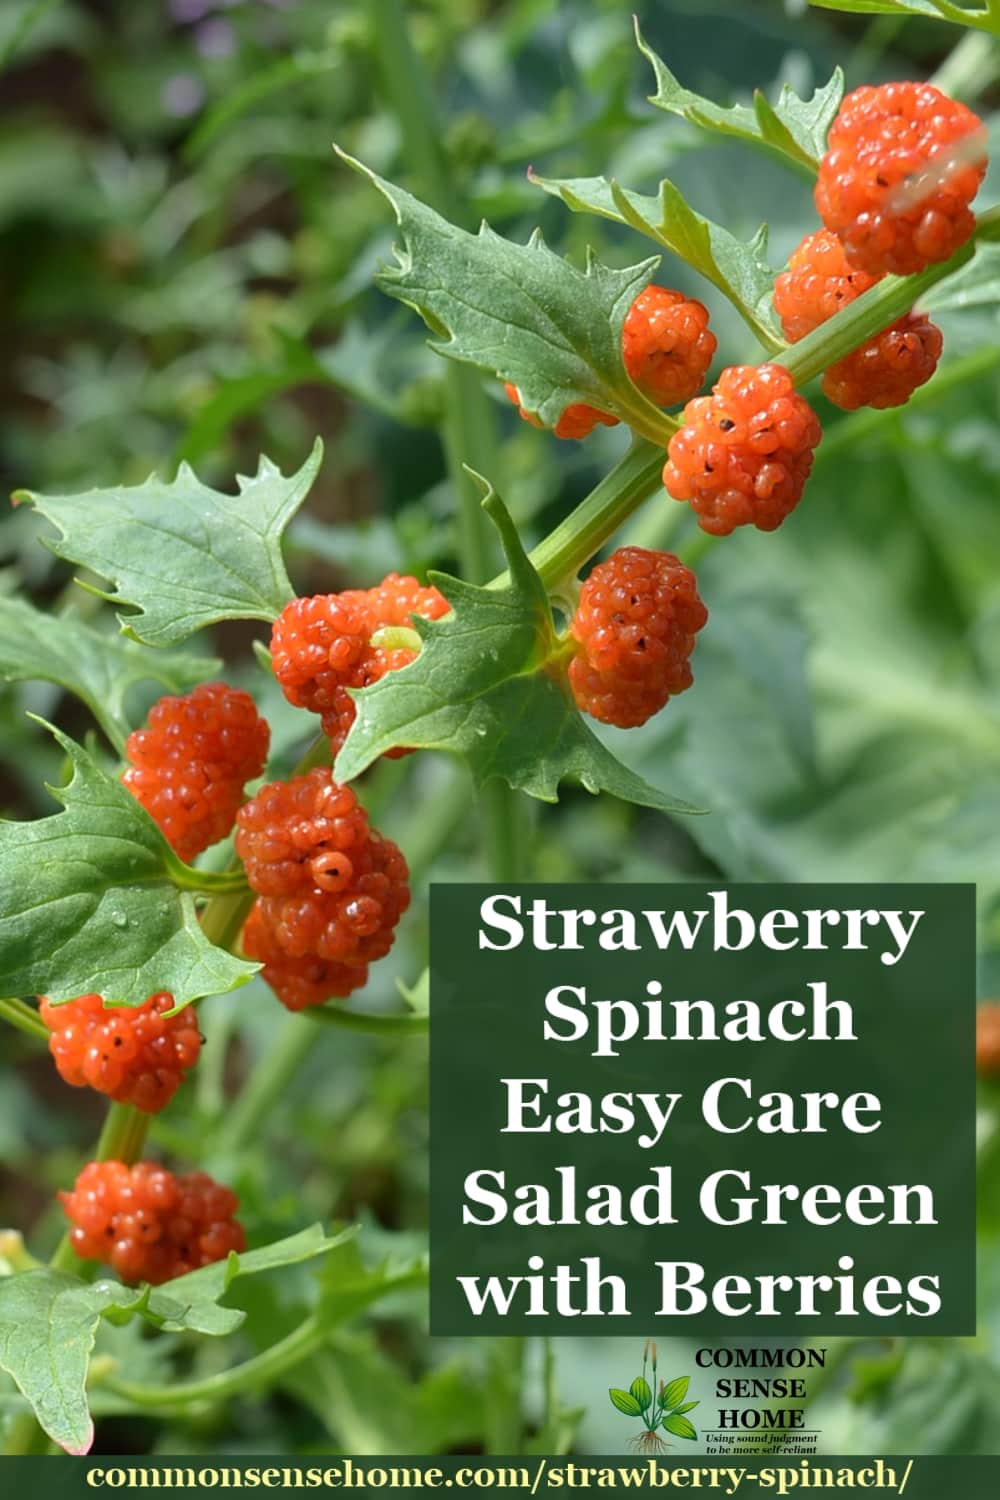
330	888
904	163
882	372
635	627
190	766
327	643
148	1224
745	452
667	348
136	1056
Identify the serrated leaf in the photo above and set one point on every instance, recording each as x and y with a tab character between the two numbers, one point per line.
89	902
483	688
98	669
680	1427
738	268
48	1321
181	555
641	1391
976	284
192	1301
794	129
520	312
674	1392
987	19
349	1285
625	1402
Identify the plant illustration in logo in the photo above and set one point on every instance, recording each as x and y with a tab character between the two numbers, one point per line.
665	1409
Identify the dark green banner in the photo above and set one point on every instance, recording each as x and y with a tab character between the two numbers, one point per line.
918	1479
743	1110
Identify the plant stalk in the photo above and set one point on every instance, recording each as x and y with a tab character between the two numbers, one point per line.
25	1018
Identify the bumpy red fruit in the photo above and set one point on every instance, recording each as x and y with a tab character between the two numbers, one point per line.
148	1224
297	982
326	643
988	1039
903	165
134	1055
884	371
635	624
577	421
189	767
745	452
331	887
666	345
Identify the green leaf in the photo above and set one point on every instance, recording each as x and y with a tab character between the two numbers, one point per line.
674	1392
641	1391
48	1322
90	903
987	19
794	129
520	312
483	687
98	669
976	284
192	1301
738	268
625	1402
181	555
349	1285
688	1406
680	1427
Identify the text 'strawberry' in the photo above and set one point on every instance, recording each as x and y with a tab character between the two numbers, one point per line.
331	887
635	624
988	1039
745	452
324	644
884	371
148	1224
903	165
136	1055
577	421
667	346
298	982
190	765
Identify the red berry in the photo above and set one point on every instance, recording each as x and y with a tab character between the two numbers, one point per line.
745	452
148	1224
297	982
189	767
577	421
635	623
324	644
666	345
331	887
903	165
884	371
134	1055
988	1039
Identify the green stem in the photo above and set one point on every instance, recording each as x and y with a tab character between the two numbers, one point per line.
269	1080
403	1023
970	68
574	541
25	1018
262	1370
469	431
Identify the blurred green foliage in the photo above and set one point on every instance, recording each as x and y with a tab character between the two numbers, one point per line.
186	273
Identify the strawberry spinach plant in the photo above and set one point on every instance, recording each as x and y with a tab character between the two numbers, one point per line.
187	854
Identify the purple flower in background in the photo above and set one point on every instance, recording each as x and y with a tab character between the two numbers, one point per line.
215	39
186	11
182	95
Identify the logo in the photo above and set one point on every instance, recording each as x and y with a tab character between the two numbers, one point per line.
659	1406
